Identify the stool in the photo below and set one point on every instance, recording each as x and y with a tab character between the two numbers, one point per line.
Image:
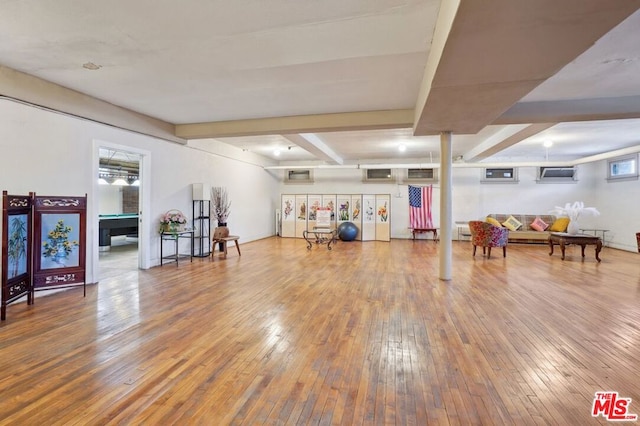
221	236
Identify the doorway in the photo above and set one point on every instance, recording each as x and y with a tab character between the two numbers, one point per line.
118	211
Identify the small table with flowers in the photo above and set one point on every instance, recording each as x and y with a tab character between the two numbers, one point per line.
175	237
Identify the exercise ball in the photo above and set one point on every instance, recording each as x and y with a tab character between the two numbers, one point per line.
347	231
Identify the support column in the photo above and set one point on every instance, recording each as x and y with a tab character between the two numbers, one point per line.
446	221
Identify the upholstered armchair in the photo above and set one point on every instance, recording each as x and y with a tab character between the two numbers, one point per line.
486	235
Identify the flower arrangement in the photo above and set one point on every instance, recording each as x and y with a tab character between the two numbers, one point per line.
59	247
172	221
574	212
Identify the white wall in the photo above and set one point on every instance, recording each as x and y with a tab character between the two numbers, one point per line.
471	199
619	205
53	154
110	199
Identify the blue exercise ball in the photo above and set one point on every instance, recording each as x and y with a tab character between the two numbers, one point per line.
347	231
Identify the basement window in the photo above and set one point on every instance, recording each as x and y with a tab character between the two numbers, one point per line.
567	174
377	175
421	175
298	176
623	168
499	175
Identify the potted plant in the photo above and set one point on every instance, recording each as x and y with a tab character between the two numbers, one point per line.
172	221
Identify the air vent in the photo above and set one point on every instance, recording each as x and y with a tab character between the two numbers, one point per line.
297	176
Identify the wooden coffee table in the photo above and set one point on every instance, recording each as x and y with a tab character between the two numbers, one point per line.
562	239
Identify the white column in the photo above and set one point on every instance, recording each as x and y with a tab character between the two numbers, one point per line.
446	221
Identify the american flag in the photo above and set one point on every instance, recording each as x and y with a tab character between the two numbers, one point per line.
420	207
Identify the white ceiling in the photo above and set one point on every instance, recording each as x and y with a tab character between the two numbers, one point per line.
209	61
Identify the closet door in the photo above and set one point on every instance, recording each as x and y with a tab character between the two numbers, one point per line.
288	216
383	217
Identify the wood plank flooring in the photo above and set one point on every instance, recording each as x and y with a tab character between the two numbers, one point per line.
362	334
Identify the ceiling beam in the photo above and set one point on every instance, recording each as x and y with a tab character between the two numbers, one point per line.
572	110
504	139
313	144
366	120
21	87
486	56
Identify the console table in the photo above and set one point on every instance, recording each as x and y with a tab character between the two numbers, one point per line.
175	237
563	239
320	236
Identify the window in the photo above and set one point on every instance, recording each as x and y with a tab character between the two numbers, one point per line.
567	174
298	176
623	168
421	175
378	175
500	175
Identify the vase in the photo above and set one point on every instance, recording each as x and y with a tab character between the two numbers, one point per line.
221	245
573	228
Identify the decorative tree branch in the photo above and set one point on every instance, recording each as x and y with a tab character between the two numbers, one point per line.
220	204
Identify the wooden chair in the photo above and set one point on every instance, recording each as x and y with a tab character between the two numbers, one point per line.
221	236
486	235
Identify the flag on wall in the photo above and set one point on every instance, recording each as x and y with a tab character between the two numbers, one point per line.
420	207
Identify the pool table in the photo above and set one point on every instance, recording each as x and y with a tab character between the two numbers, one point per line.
116	224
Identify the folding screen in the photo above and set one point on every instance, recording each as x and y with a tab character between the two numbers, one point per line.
329	202
356	213
59	242
288	217
314	202
301	215
383	217
368	217
16	249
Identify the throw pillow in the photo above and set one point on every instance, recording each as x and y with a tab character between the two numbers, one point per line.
560	225
539	224
493	221
512	223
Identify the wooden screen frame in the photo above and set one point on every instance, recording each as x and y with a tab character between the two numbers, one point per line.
62	277
15	287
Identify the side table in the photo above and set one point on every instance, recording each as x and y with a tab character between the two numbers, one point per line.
175	237
320	236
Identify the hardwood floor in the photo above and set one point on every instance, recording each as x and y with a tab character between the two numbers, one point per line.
362	334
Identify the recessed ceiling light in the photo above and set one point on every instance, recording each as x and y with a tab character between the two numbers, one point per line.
91	66
276	152
402	147
547	143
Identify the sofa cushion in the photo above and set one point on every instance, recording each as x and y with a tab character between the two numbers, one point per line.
493	221
560	225
512	223
539	225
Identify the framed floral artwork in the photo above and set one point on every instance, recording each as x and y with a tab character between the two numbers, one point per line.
60	242
16	249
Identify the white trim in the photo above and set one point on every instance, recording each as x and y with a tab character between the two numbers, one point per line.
144	229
